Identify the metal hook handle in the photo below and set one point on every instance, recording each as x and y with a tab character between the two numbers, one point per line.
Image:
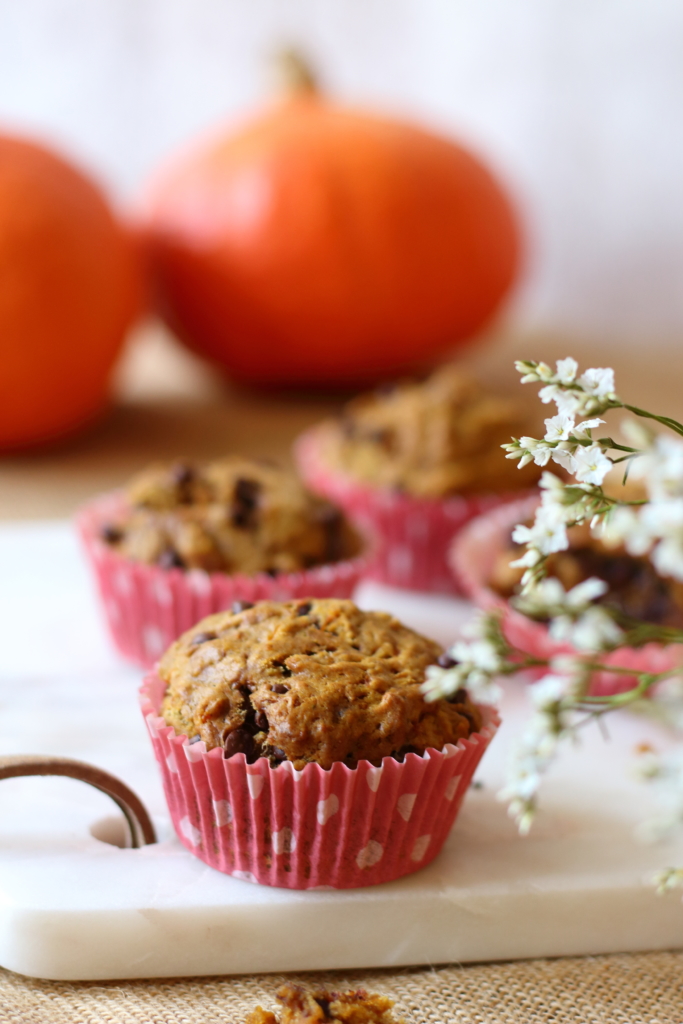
139	822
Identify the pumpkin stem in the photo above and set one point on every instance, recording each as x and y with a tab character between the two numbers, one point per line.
294	73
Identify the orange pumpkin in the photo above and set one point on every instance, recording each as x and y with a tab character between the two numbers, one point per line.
322	245
70	285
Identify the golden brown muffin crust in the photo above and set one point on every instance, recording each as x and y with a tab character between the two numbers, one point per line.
432	439
232	515
309	680
322	1007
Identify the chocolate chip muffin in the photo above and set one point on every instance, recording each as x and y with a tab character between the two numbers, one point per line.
232	515
433	439
309	681
636	590
321	1006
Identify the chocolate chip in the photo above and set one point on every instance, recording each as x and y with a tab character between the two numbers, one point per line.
271	572
278	754
111	534
239	741
283	668
240	606
324	1005
245	501
459	697
445	661
202	638
304	609
170	559
261	721
279	688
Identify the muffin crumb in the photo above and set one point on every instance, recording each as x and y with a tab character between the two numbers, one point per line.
322	1007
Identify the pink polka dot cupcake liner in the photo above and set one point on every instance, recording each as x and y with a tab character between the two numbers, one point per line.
146	607
341	828
410	536
473	556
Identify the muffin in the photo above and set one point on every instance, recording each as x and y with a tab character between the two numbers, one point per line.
480	559
182	541
414	462
636	590
296	747
320	1006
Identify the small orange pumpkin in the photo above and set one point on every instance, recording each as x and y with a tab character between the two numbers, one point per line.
70	285
322	245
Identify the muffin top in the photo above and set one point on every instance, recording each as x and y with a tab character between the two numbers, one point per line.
636	590
309	680
232	515
431	439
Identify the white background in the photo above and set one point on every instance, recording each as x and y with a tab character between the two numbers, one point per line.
578	103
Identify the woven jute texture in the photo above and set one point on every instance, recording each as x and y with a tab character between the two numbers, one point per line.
642	988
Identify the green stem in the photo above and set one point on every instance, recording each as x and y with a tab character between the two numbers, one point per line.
666	421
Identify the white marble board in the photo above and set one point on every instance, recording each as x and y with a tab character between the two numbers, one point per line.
73	906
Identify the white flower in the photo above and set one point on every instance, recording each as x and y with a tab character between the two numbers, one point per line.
663	521
566	370
548	691
598	382
665	774
581	429
594	630
564	456
558	428
548	533
538	450
591	465
568	402
623	525
667	557
531	758
476	663
636	433
661	468
585	592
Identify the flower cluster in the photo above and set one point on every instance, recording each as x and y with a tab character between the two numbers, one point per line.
573	617
561	700
537	748
657	526
585	395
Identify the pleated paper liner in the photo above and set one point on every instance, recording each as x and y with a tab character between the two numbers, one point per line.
473	556
411	535
341	828
147	607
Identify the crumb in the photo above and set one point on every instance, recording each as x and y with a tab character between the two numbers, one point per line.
322	1007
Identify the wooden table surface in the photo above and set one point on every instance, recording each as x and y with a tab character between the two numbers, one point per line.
169	404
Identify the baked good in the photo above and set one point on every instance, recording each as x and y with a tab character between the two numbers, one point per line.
231	515
296	748
431	439
321	1007
315	680
411	465
636	590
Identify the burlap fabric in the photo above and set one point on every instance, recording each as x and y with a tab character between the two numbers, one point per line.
644	988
